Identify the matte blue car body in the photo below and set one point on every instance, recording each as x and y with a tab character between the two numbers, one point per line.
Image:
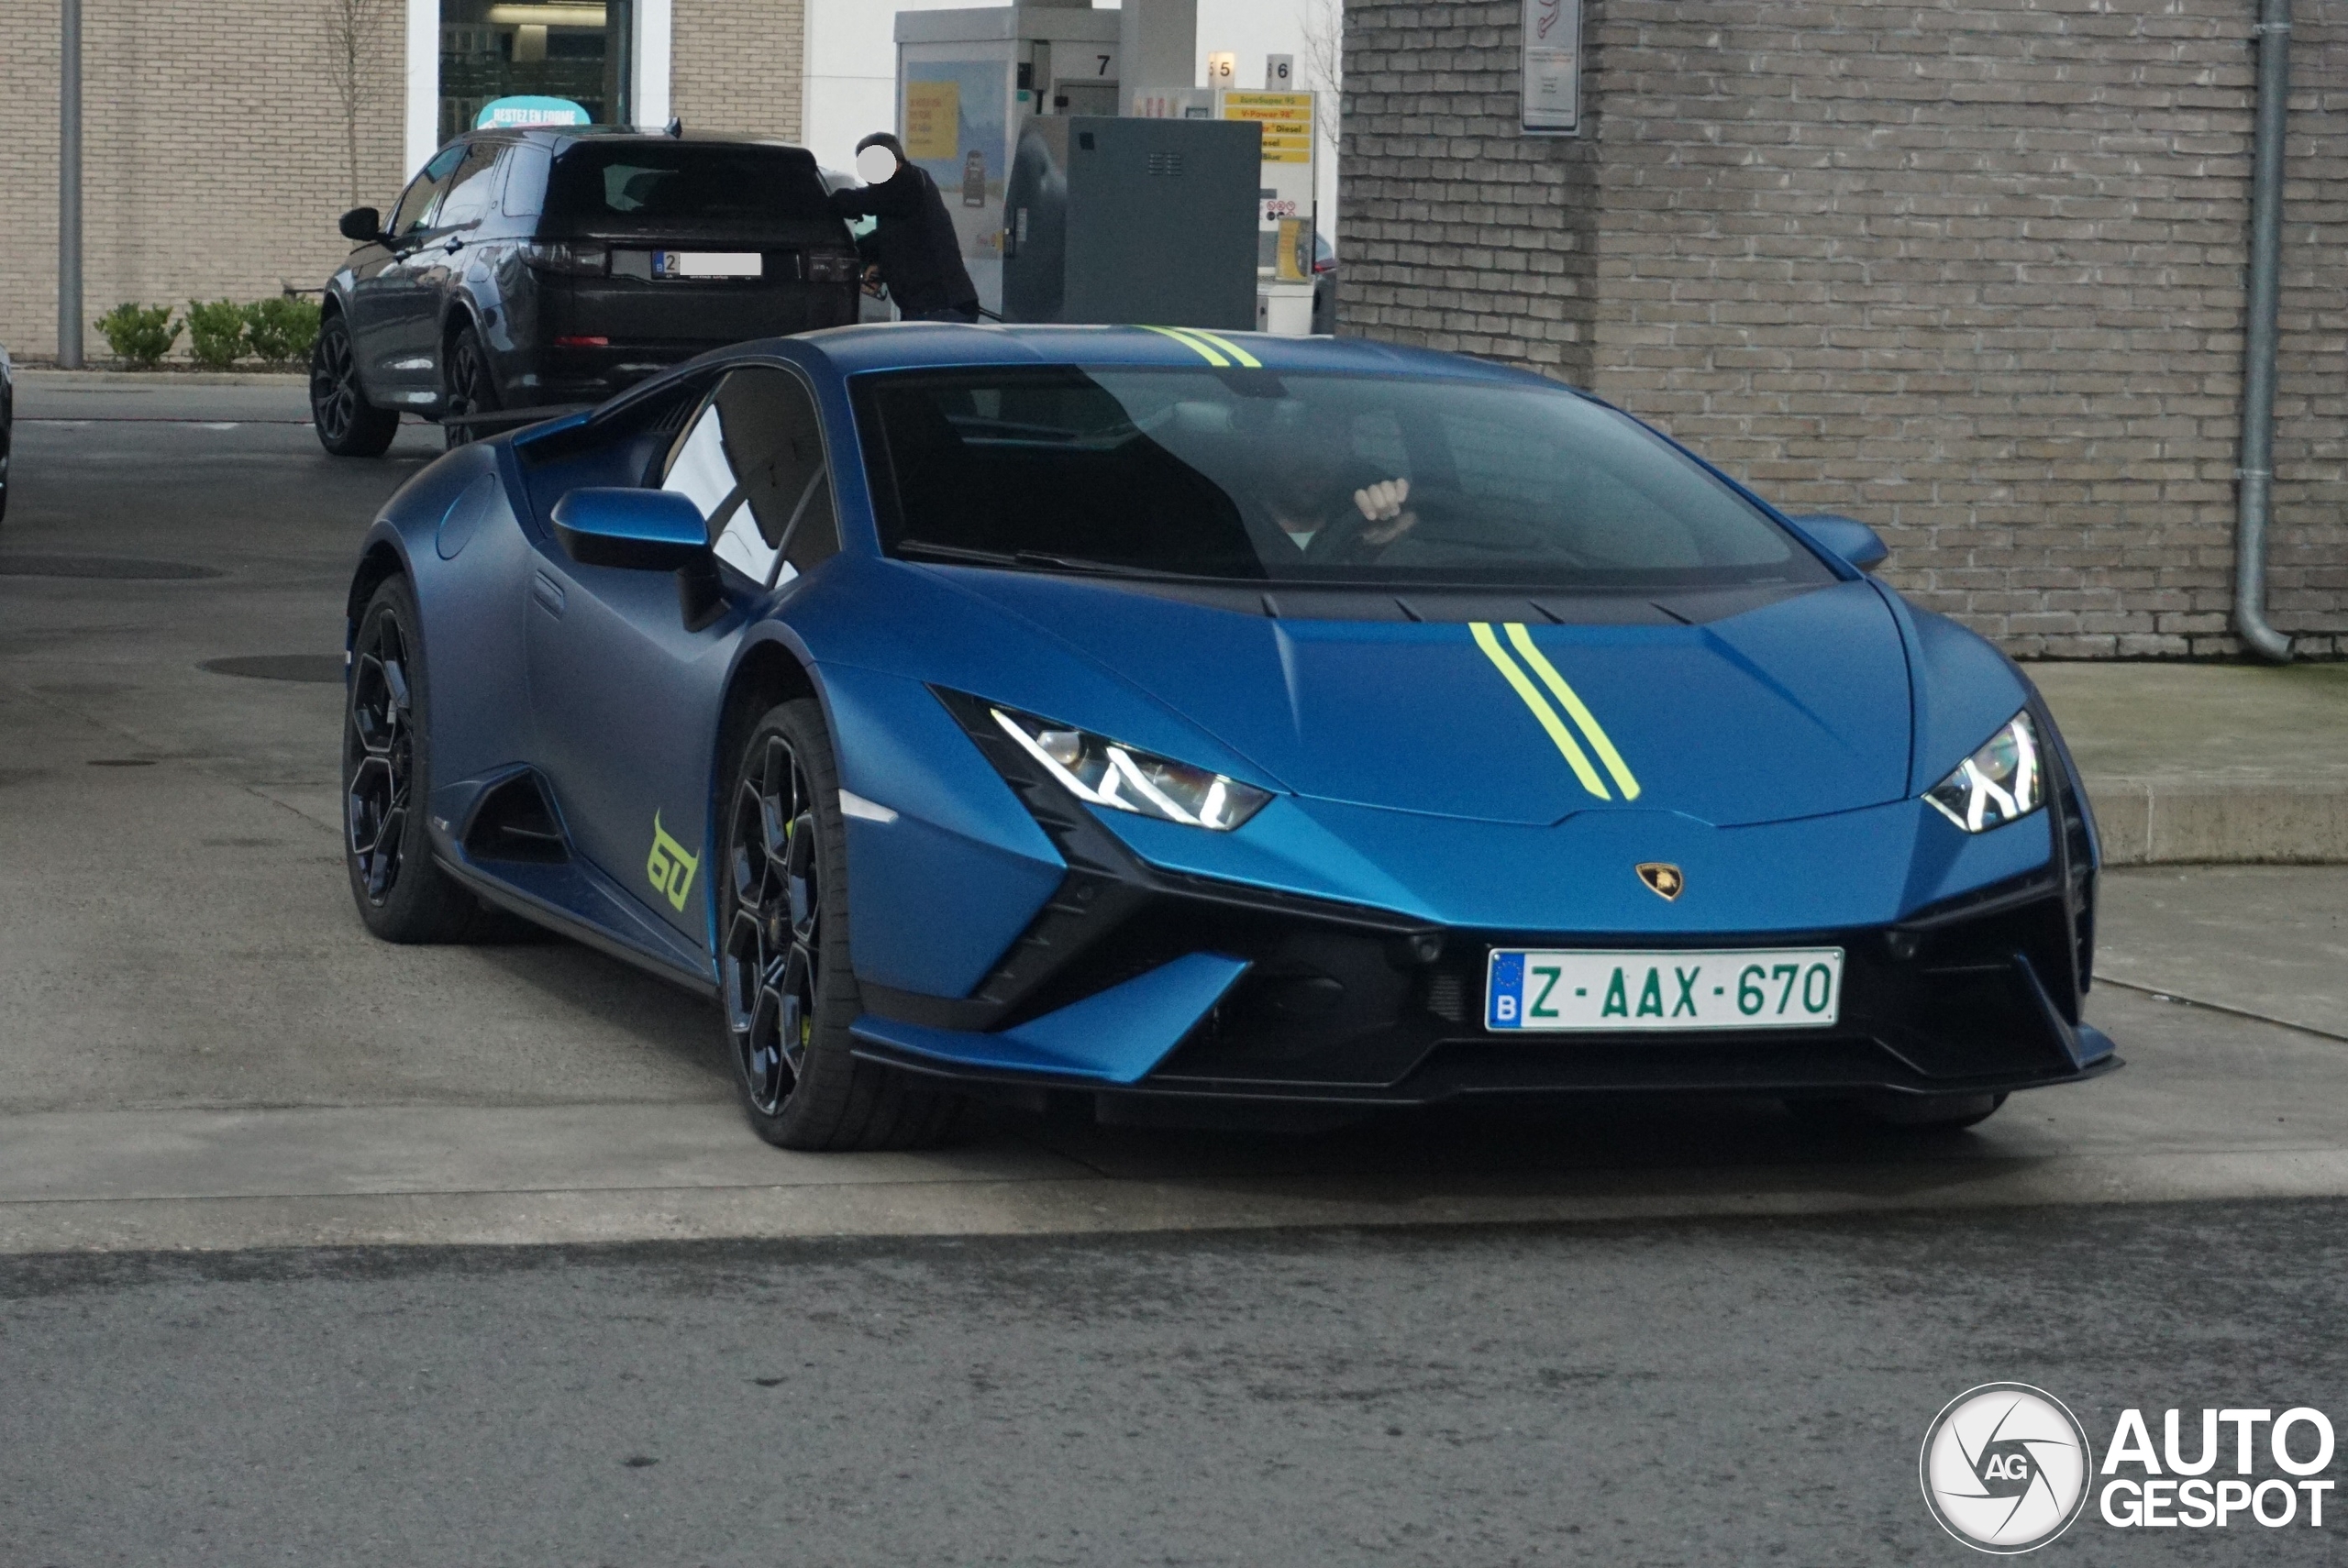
1780	752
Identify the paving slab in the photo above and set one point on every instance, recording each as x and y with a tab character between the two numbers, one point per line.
2209	762
2212	1106
2269	942
47	397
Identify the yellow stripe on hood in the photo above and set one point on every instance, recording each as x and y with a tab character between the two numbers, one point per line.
1540	710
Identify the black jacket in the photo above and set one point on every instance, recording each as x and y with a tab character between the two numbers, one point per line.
913	242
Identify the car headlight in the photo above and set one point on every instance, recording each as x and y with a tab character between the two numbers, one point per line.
2003	780
1103	773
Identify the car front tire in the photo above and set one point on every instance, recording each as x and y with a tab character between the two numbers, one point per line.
402	894
789	992
347	425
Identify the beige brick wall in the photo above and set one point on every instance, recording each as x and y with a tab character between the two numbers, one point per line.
214	161
213	155
1970	271
739	66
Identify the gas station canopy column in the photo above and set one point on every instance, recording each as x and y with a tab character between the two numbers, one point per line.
1202	194
1157	44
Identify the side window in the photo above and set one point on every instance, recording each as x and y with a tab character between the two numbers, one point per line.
525	180
424	193
752	459
470	190
815	537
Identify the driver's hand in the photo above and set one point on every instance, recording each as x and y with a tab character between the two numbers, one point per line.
872	281
1384	506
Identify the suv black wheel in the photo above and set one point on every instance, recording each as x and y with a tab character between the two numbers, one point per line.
790	993
471	388
347	425
386	776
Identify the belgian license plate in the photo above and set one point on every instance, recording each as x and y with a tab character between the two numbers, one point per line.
1792	988
708	264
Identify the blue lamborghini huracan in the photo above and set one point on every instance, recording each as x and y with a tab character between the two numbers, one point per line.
1159	716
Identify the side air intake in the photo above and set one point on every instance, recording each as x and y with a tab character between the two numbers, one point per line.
514	822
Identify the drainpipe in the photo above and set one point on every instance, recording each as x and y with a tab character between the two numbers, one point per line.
2256	476
68	185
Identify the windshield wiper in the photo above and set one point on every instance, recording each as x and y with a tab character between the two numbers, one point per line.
966	555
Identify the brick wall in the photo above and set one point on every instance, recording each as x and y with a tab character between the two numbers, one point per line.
214	161
1458	232
1971	271
738	66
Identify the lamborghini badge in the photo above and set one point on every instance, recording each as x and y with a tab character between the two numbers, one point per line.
1663	879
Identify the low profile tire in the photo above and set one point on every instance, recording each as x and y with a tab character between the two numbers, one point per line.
471	387
401	894
1900	1112
790	992
347	425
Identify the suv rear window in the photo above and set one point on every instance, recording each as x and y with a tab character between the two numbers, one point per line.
642	186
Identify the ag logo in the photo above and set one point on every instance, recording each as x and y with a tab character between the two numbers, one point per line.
2005	1468
670	868
1664	879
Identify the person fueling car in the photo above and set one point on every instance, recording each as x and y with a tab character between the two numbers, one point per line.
913	248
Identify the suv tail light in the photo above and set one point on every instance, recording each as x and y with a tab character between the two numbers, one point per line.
582	259
831	266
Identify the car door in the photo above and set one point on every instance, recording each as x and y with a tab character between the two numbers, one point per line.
384	297
624	691
439	260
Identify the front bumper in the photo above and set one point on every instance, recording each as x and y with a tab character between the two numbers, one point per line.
1138	980
1953	1002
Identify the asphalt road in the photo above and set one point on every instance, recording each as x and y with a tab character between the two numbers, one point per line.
1043	1345
1698	1393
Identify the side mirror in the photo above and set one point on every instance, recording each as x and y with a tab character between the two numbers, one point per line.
363	225
1847	536
643	530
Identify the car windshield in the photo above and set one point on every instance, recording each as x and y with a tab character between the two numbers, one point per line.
641	185
1291	478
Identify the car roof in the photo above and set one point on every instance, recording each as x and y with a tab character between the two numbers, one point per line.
561	137
895	345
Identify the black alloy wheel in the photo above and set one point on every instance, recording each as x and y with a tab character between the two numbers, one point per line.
789	990
402	895
347	425
471	390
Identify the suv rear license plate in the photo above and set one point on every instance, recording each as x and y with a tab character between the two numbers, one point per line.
708	264
1592	992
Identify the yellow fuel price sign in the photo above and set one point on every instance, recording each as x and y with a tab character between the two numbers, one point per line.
1286	119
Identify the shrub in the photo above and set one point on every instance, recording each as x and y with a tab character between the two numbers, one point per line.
282	329
140	335
215	333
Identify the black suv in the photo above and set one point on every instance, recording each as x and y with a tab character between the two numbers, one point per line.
524	268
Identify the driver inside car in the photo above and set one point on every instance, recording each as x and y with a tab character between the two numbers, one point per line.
1324	512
